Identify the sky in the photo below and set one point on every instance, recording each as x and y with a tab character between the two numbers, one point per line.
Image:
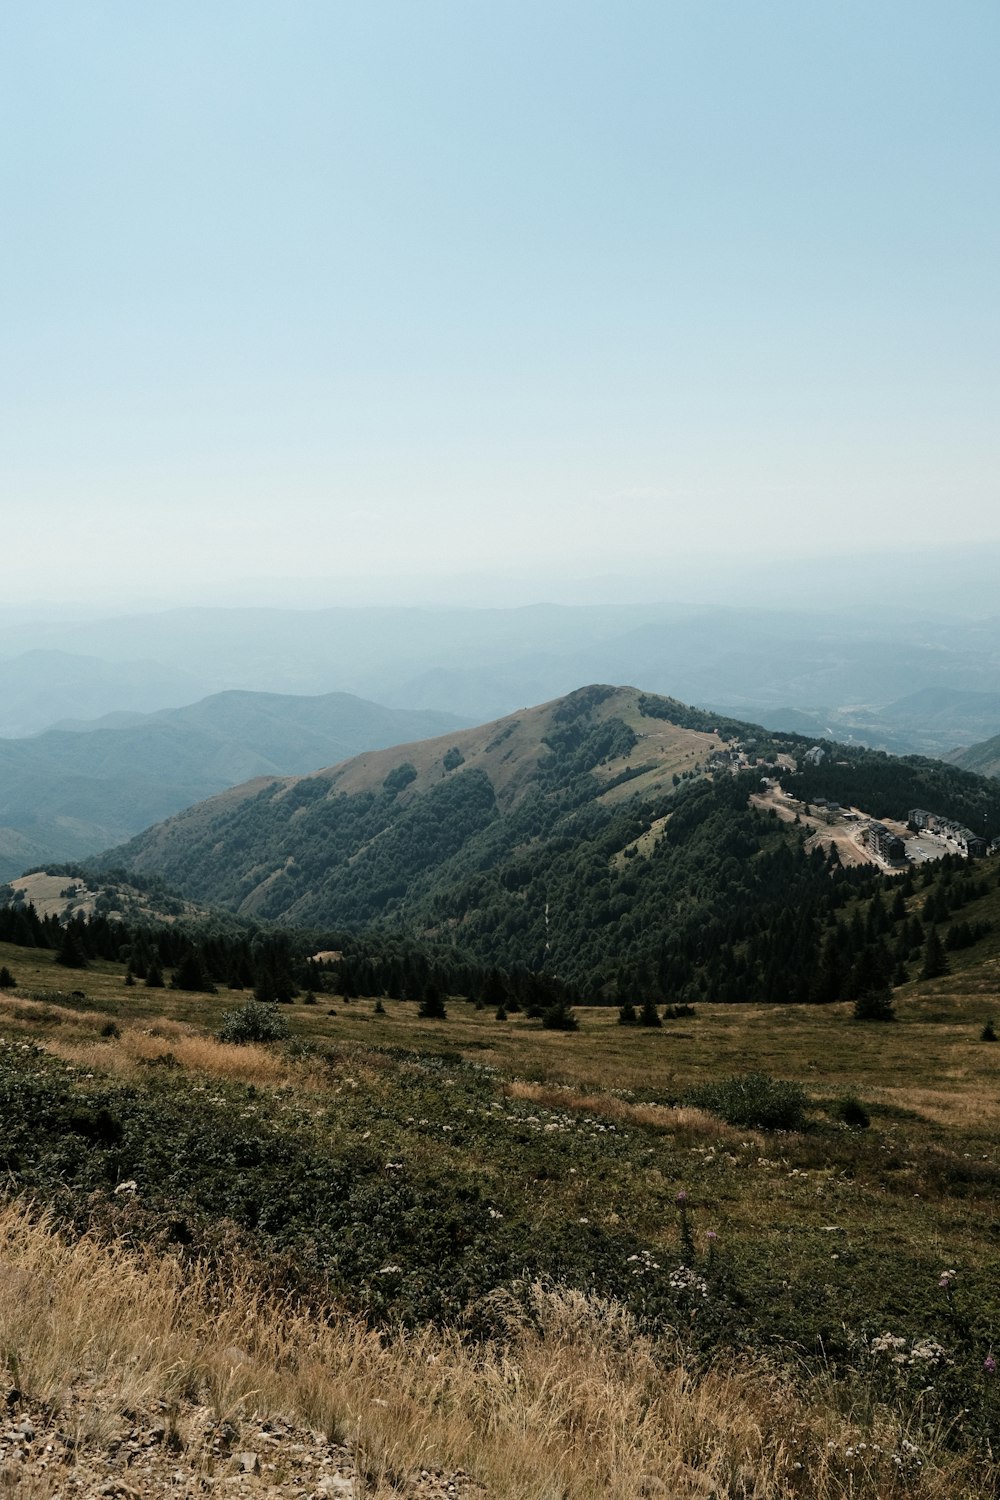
321	290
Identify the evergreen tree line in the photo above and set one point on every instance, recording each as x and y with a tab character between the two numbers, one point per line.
804	929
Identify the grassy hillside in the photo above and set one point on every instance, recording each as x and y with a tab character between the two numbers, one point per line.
67	794
526	1212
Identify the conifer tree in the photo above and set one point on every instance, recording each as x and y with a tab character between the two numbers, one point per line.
71	954
935	962
432	1007
649	1015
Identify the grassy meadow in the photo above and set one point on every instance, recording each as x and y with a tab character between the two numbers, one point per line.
558	1260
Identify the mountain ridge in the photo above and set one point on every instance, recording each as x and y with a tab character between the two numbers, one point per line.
66	794
610	830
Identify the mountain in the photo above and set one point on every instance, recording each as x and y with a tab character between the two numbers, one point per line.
894	679
39	686
983	758
610	830
64	795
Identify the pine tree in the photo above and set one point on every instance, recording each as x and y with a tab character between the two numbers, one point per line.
935	962
432	1007
559	1017
874	1005
70	954
190	975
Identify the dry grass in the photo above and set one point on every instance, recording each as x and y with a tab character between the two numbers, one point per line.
575	1403
75	1037
684	1122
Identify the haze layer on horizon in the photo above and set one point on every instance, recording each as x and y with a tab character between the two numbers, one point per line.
354	292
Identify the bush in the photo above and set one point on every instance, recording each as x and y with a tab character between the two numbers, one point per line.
874	1005
852	1113
559	1017
110	1029
7	980
253	1022
988	1033
754	1100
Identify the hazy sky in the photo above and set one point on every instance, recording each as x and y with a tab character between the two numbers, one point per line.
319	288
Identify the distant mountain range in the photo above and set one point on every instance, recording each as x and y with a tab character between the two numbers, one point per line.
69	793
905	682
39	687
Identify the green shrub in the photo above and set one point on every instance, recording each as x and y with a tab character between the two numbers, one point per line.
852	1113
253	1022
988	1033
7	980
754	1100
559	1017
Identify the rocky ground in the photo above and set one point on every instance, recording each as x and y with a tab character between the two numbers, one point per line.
68	1452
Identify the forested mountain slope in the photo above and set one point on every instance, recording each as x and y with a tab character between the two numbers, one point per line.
606	834
65	795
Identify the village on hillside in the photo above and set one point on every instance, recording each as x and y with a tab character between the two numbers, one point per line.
859	838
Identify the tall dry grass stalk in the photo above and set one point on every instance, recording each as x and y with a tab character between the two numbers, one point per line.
574	1404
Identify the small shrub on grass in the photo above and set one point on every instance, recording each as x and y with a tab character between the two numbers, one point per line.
110	1029
754	1100
627	1015
253	1022
7	980
851	1112
559	1017
988	1033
